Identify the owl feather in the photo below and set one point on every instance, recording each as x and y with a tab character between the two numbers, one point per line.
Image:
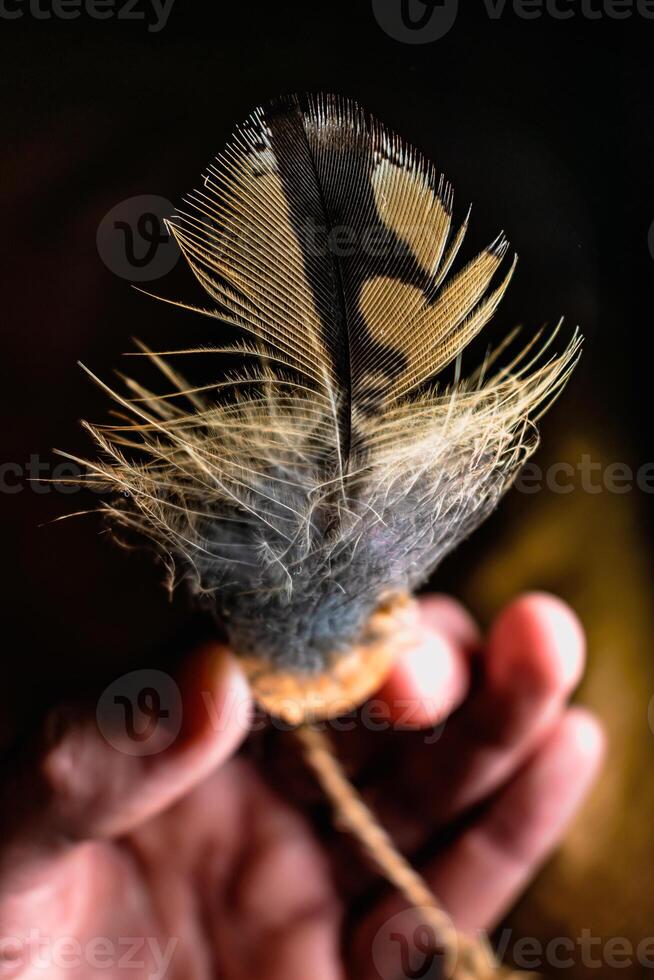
336	467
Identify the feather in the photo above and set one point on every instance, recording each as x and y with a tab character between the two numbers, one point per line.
333	469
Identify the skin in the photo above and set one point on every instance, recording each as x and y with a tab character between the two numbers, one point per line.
192	843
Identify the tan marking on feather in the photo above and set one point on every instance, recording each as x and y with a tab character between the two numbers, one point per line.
409	206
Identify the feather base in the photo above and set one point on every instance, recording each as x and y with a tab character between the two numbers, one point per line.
350	678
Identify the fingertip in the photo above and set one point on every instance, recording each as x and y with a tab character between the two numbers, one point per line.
216	694
427	683
585	737
216	717
555	782
226	673
450	618
537	641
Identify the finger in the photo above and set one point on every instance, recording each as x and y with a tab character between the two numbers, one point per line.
430	680
450	618
533	660
478	877
426	684
86	783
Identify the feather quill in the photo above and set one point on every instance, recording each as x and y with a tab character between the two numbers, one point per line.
335	469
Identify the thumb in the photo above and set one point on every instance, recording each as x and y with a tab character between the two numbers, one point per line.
100	771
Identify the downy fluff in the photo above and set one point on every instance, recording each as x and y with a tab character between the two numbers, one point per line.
333	469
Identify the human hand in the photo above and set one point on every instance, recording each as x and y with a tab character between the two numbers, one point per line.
186	863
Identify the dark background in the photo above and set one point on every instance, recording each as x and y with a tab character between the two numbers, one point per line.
545	124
